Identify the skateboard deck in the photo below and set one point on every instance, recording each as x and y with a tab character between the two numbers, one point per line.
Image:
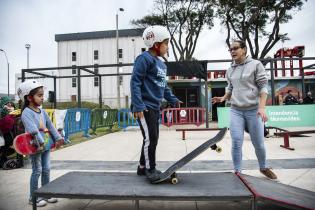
170	172
27	144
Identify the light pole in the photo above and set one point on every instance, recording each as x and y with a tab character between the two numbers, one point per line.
8	71
28	46
134	49
117	55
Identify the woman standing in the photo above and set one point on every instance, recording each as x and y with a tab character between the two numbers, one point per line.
247	89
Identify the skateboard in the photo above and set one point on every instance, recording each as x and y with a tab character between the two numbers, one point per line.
170	173
28	144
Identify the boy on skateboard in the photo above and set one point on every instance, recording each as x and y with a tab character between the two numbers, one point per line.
148	87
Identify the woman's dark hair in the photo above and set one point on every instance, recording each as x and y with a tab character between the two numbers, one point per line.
32	93
241	42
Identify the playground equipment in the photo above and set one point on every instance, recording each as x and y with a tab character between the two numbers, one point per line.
298	51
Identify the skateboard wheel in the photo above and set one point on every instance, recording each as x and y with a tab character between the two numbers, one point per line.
174	180
218	149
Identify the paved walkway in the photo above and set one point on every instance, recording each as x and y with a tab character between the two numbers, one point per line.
120	152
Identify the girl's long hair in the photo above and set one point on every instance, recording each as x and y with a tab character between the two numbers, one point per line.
32	93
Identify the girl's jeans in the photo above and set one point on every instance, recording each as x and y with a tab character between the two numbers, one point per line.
238	120
40	166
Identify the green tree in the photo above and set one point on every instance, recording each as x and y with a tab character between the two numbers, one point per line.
184	19
256	21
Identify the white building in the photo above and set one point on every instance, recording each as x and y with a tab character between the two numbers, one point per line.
99	47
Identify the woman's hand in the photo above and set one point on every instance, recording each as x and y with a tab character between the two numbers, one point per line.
262	113
217	100
178	103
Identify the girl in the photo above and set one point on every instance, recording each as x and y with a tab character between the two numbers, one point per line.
36	122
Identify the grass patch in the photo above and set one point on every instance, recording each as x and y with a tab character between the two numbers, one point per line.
79	138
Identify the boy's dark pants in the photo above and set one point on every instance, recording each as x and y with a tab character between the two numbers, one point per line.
150	131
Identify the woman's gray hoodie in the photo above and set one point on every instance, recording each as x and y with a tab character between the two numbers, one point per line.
245	83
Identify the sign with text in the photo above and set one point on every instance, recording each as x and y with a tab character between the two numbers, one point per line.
278	116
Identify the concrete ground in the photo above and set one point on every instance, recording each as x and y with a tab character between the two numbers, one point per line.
120	152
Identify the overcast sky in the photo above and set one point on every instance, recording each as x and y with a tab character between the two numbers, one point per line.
37	21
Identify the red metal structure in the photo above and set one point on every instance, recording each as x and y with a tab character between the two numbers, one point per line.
180	116
298	51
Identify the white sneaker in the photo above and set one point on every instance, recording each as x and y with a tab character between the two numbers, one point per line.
52	200
39	203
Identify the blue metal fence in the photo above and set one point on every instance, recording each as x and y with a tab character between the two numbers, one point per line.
125	119
77	120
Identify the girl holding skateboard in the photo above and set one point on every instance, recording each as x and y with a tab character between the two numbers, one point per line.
36	122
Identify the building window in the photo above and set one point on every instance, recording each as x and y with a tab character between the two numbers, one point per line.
95	54
120	80
120	53
95	81
96	78
74	56
96	69
74	82
74	70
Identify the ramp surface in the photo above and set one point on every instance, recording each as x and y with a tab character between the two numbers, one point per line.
280	194
127	186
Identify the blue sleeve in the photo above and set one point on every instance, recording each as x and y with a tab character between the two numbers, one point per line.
56	136
169	96
30	125
137	77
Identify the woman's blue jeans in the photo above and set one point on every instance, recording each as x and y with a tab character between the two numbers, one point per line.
238	120
40	166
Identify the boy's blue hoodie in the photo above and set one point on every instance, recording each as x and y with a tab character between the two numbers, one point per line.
148	83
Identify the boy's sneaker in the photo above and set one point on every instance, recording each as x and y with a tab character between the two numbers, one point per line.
52	200
39	202
268	173
141	171
153	174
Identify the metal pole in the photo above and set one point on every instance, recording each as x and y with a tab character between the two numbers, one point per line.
79	88
303	83
117	57
134	49
28	46
55	91
272	83
8	80
206	95
5	54
100	90
28	59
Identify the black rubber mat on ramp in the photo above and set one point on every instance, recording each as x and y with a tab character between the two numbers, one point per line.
280	194
127	186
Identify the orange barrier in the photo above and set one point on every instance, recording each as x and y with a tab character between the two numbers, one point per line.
181	116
